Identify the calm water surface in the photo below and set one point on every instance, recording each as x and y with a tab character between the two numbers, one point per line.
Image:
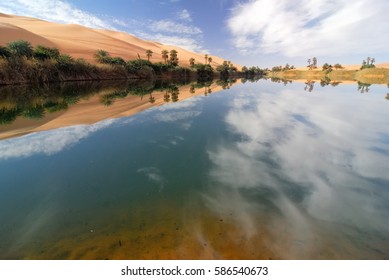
258	171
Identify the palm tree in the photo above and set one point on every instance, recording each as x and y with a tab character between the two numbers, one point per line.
174	93
192	62
209	60
314	62
43	53
165	55
149	53
173	57
102	56
20	48
151	98
166	96
206	58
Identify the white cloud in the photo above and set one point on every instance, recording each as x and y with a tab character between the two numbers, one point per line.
178	32
171	32
54	10
184	15
305	27
169	26
185	42
120	22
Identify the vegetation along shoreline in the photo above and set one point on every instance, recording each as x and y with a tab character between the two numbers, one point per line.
368	73
21	63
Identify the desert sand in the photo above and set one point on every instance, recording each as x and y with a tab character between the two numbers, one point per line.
82	42
348	66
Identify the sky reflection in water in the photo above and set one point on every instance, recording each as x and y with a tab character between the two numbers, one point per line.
331	146
275	162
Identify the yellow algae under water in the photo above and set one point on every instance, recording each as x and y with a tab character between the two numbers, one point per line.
203	235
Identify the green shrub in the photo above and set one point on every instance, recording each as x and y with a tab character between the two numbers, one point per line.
65	62
20	48
43	53
8	116
160	67
116	61
5	52
140	67
366	66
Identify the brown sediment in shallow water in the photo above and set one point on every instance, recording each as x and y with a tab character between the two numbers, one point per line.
208	238
204	235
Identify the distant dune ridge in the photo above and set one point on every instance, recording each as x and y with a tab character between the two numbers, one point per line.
79	41
83	42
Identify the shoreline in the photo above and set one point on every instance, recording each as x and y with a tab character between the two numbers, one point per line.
366	76
90	109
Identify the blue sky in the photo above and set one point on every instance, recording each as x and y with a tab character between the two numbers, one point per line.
263	33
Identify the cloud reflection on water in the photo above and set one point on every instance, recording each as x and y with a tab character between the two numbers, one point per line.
154	175
56	140
48	142
305	156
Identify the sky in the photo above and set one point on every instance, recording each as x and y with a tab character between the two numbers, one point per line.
260	33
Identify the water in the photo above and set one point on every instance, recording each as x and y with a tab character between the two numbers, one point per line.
259	171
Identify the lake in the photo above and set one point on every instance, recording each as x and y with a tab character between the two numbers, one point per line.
258	170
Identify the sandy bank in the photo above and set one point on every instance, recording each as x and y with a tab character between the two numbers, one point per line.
370	76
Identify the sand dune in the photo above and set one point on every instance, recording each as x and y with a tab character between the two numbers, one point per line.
383	65
91	111
79	41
